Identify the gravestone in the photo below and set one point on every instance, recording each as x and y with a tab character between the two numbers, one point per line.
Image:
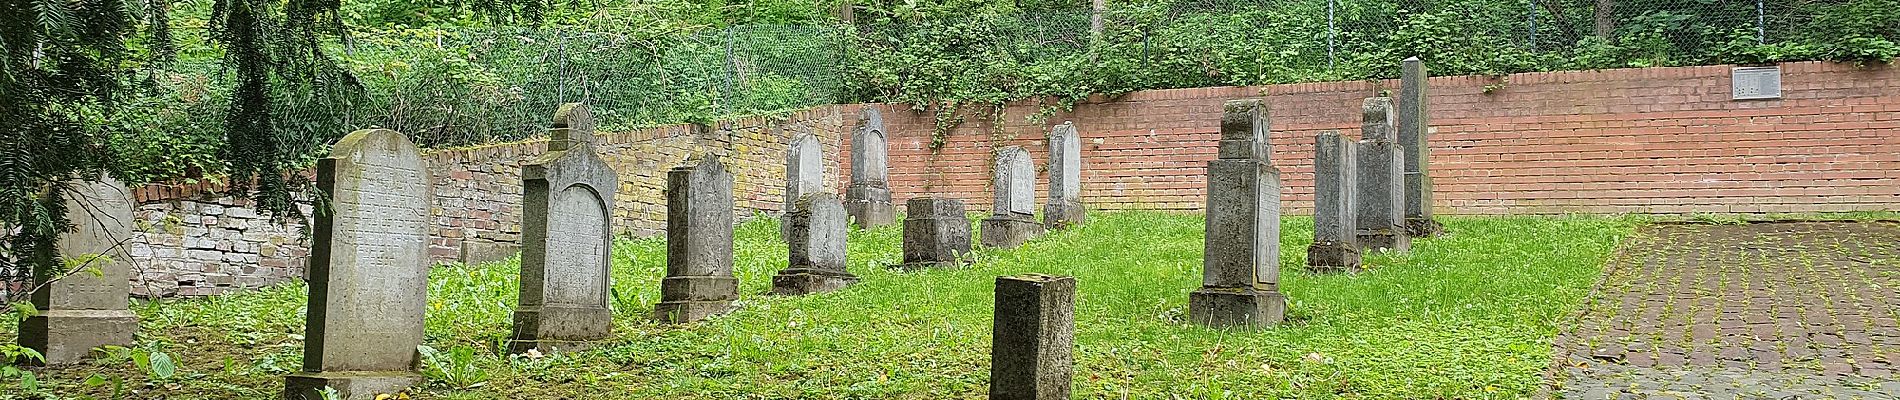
936	233
1241	269
1012	221
1415	130
83	303
567	235
817	247
868	199
1065	179
804	174
699	281
369	269
1033	338
1381	194
1335	237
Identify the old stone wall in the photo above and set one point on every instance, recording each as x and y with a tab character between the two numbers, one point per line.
198	242
1650	140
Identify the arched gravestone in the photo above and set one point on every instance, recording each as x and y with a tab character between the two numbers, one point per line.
1013	220
1240	280
84	309
699	281
868	199
804	173
1065	179
566	255
369	269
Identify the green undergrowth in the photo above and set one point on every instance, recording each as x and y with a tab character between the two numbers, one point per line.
1467	315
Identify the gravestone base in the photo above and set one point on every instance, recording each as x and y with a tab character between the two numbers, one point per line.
1391	241
478	252
1009	231
550	328
351	385
1236	307
1061	215
1423	227
923	265
683	311
1332	257
800	281
68	336
869	206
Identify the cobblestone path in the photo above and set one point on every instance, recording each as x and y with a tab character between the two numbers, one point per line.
1800	310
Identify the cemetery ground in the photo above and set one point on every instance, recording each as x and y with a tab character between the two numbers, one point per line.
1469	315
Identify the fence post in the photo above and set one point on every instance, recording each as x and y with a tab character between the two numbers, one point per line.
1761	23
1330	32
732	67
1533	22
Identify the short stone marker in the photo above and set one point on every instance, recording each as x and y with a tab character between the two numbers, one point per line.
1335	239
1065	179
804	174
1241	269
868	199
1033	338
1012	221
567	235
817	248
699	281
369	269
936	233
85	308
1381	194
1415	129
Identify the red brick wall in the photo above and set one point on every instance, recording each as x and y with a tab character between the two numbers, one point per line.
1653	140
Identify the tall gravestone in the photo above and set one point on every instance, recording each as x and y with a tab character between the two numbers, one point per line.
1033	340
817	247
1012	221
83	304
369	269
804	174
1064	207
1335	236
868	199
1381	194
566	254
1415	129
1240	281
699	281
936	233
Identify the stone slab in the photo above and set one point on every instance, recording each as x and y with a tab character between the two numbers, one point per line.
868	197
1015	182
66	337
369	263
699	281
936	233
1064	206
817	258
804	172
1007	232
1414	134
1236	308
1033	338
1242	244
85	306
567	237
350	385
1380	197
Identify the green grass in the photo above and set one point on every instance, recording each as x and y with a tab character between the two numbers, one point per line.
1470	315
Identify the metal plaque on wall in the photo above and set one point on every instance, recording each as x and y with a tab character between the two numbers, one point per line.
1755	83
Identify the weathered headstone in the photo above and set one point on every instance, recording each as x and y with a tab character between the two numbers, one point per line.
804	173
1381	194
936	233
1415	130
567	234
82	302
1240	282
1335	237
817	248
868	199
699	281
369	269
1065	179
1033	338
1012	221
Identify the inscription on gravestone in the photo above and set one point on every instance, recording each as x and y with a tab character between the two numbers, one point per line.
566	258
368	269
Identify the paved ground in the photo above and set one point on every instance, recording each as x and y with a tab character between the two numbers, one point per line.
1803	310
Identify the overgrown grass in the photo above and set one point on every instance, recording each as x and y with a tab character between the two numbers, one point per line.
1470	315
